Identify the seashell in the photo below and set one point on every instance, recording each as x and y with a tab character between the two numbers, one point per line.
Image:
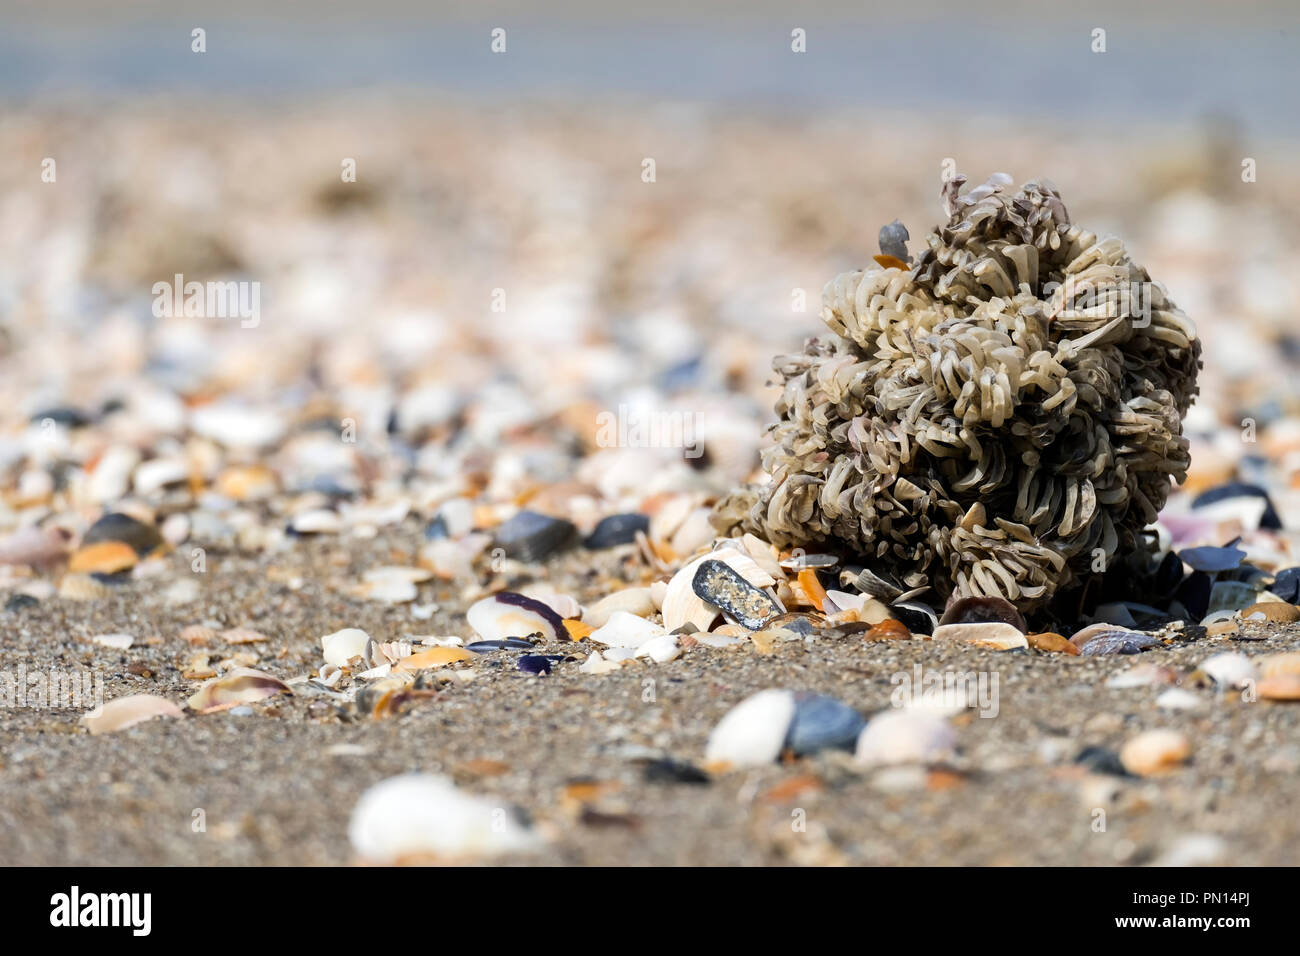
661	649
155	475
720	585
433	657
432	640
1230	670
992	634
1052	643
979	610
562	604
1212	560
243	635
330	675
342	646
455	519
198	634
630	600
1143	675
1178	699
889	630
242	685
596	663
126	712
115	526
878	585
316	521
1276	665
1286	585
175	529
681	605
413	817
118	642
35	546
753	732
578	630
537	664
806	562
530	536
822	723
1267	516
1232	596
509	644
238	426
1274	611
1280	687
508	614
82	587
918	618
247	483
626	630
1155	752
718	641
615	530
106	557
914	736
393	585
1106	639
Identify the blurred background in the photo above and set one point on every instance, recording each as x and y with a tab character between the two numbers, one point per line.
501	269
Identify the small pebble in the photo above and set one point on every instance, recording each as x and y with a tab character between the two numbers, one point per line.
537	663
1286	585
615	530
822	723
1101	760
530	536
1212	560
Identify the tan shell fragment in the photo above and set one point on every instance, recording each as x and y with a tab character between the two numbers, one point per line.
243	685
127	712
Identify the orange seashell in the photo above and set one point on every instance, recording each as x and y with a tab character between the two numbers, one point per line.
247	483
812	588
888	630
105	557
1278	665
1051	642
433	657
1279	687
890	262
484	767
577	629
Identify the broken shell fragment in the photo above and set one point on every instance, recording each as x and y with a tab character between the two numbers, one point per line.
342	646
1052	643
991	634
243	685
509	614
127	712
720	585
433	657
626	630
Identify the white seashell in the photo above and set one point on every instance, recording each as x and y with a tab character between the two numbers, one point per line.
994	634
317	521
620	653
155	475
127	712
693	533
374	673
658	591
1230	670
417	815
514	615
1142	675
764	555
119	642
844	601
175	529
330	675
905	736
423	612
397	573
562	604
112	475
1175	698
341	646
753	732
660	649
237	426
596	663
430	640
632	600
626	630
719	640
